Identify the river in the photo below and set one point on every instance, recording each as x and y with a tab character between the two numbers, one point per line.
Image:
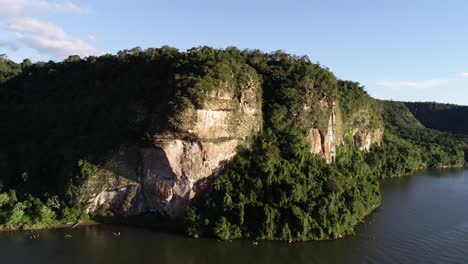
422	219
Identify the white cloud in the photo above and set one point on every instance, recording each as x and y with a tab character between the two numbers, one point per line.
9	45
464	74
66	7
23	25
17	7
92	38
417	84
11	7
16	16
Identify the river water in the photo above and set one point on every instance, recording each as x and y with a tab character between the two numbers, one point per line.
422	219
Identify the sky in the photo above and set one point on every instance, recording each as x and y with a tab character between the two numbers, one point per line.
398	49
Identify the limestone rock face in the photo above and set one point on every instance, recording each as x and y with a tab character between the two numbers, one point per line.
322	143
364	139
325	142
169	174
166	176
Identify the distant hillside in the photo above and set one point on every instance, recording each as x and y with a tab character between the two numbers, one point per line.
443	117
435	148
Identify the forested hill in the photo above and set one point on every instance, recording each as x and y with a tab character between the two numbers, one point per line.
429	147
9	68
144	130
258	145
443	117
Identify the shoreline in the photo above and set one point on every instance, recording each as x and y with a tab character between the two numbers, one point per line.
164	228
53	227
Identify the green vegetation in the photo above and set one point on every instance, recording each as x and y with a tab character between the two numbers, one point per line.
56	114
9	68
60	119
442	117
355	103
409	146
278	189
32	213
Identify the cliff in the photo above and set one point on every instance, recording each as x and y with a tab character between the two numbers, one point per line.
180	163
146	131
164	177
363	134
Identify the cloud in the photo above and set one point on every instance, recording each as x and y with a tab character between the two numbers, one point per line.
11	7
17	7
417	84
9	45
16	16
464	74
92	38
66	7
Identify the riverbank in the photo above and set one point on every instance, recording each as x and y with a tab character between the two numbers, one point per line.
176	226
51	227
412	225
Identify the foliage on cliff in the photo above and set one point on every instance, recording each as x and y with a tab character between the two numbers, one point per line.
358	109
56	114
278	189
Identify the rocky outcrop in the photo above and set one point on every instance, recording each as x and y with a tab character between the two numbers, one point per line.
325	141
364	139
166	176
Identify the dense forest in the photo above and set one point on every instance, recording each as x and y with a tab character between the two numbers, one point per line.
409	146
278	190
442	117
59	116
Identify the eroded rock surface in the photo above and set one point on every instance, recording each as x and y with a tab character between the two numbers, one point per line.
325	142
167	175
164	177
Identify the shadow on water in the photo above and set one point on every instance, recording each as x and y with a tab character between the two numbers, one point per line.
445	172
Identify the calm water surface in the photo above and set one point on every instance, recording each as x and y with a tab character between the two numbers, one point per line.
422	219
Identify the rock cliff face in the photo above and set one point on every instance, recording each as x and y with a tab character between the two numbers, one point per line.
364	139
325	142
166	176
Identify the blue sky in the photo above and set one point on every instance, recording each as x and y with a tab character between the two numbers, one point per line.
403	50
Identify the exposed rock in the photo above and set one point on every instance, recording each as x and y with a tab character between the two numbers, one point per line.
364	139
325	142
165	176
316	141
169	174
